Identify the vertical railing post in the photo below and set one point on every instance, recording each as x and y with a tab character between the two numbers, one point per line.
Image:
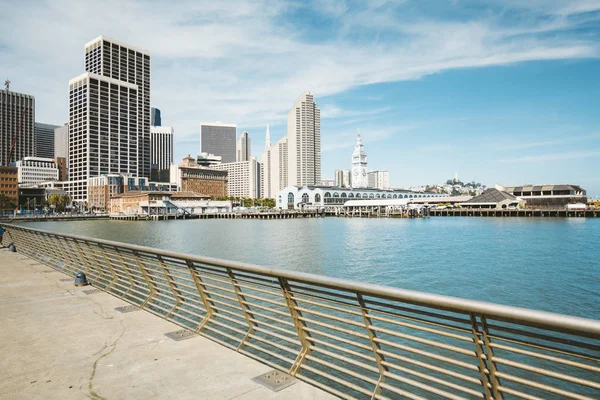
480	357
300	326
245	309
151	285
83	259
125	269
100	248
490	358
172	284
203	295
374	345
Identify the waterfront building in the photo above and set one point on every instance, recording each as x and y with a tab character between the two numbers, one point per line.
155	119
190	177
274	167
547	195
99	108
33	170
342	178
161	147
166	203
243	178
327	182
378	179
218	139
493	198
44	140
61	142
102	188
297	197
243	150
304	142
359	165
17	125
124	64
208	160
9	183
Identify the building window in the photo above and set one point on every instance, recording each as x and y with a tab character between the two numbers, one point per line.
336	195
327	194
344	195
291	198
305	198
317	198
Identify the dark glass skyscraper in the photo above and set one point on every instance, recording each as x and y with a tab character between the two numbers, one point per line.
218	139
44	140
155	117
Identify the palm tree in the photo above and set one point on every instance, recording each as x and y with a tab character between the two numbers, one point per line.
6	203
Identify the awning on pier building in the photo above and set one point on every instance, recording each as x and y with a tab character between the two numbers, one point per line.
493	198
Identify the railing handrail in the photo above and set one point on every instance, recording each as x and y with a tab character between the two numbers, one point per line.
561	322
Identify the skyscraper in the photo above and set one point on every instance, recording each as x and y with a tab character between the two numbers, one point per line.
155	117
243	148
218	139
125	63
342	178
17	119
44	140
304	142
61	141
359	165
161	146
103	130
379	180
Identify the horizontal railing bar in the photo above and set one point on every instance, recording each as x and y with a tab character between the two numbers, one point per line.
342	369
564	323
337	380
302	299
329	389
260	307
332	317
337	339
529	334
370	303
371	368
518	394
424	329
271	343
340	348
278	336
271	353
335	328
425	354
270	318
547	357
422	386
401	392
527	382
270	325
434	379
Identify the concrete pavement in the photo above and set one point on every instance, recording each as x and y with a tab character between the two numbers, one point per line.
58	343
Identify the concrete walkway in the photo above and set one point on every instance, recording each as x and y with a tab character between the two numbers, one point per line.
58	343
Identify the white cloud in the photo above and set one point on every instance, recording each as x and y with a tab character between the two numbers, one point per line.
246	61
554	157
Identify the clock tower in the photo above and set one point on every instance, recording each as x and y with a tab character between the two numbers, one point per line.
359	165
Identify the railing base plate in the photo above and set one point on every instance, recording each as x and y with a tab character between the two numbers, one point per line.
180	335
275	380
127	309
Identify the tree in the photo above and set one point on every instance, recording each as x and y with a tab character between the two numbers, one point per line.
59	201
6	203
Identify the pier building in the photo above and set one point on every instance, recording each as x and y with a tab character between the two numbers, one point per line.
547	195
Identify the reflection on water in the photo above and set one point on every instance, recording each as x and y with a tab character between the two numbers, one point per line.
550	264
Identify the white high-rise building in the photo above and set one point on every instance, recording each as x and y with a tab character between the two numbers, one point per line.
243	178
342	178
359	165
161	146
304	142
379	180
124	63
274	167
61	141
243	150
98	109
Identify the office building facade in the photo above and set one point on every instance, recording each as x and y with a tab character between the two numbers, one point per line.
126	64
61	141
378	180
9	183
342	178
44	140
304	142
32	170
243	178
190	177
161	147
219	139
155	119
103	130
17	125
243	150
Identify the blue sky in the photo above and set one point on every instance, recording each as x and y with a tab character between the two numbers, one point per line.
502	91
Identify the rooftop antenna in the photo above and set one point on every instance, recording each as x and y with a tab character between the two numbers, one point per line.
7	84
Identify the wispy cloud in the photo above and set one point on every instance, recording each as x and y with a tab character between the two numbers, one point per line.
553	157
544	143
246	61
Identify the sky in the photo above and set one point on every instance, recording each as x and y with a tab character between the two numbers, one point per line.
501	91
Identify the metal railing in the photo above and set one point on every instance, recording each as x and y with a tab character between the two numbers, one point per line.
351	339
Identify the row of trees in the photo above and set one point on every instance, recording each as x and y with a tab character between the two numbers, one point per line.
247	202
59	202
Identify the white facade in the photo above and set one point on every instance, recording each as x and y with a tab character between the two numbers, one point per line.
304	142
97	144
295	197
161	146
61	142
243	148
327	182
342	178
379	179
32	170
274	168
359	165
243	178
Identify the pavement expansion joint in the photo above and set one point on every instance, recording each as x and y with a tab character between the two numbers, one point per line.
66	280
275	380
180	335
90	291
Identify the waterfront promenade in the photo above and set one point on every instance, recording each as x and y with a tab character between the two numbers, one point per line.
59	343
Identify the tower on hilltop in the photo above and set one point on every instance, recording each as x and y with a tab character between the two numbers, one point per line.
359	164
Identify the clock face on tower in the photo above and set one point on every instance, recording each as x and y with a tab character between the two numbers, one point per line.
364	172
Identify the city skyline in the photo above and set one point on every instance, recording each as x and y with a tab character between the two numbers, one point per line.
505	95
